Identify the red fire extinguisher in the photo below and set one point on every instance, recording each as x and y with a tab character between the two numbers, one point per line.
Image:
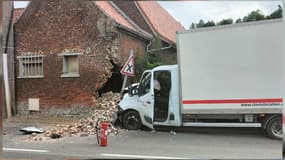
104	134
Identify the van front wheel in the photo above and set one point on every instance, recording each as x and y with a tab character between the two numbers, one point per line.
131	120
274	128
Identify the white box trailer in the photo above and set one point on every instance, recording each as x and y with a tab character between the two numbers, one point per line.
234	69
227	76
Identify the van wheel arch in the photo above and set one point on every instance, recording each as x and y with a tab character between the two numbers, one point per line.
131	119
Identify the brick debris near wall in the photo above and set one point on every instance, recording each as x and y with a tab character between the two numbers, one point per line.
107	106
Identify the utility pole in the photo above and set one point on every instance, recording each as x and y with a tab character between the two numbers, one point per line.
6	86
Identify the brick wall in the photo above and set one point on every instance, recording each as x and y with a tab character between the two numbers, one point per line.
50	27
128	42
169	56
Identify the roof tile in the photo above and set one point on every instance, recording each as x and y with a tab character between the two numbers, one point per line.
161	21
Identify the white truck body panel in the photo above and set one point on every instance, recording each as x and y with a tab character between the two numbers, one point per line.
232	69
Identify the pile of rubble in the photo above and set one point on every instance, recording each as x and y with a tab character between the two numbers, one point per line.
86	126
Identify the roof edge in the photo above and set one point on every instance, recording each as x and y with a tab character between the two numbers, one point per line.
116	24
145	18
128	19
147	37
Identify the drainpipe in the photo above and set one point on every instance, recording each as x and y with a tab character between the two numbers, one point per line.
147	47
158	49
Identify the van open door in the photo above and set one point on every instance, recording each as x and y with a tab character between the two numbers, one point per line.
146	98
162	86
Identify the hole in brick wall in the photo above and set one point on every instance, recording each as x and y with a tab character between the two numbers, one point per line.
114	83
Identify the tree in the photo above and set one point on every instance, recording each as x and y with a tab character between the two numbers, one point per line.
254	16
226	21
238	20
276	14
209	24
144	62
193	26
200	24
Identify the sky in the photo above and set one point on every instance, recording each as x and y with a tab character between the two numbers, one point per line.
187	12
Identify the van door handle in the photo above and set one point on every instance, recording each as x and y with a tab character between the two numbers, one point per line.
148	102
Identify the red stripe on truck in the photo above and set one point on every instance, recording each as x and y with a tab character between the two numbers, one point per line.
219	101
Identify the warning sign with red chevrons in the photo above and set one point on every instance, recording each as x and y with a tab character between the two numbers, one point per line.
129	67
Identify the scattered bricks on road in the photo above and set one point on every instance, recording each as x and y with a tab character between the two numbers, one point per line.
85	126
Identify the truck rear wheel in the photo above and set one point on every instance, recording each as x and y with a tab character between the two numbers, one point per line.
274	128
131	120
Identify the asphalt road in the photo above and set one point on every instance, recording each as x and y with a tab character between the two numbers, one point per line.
190	143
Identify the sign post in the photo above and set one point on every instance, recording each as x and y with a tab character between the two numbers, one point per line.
124	84
128	70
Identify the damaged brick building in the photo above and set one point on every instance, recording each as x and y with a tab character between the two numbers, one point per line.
67	51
